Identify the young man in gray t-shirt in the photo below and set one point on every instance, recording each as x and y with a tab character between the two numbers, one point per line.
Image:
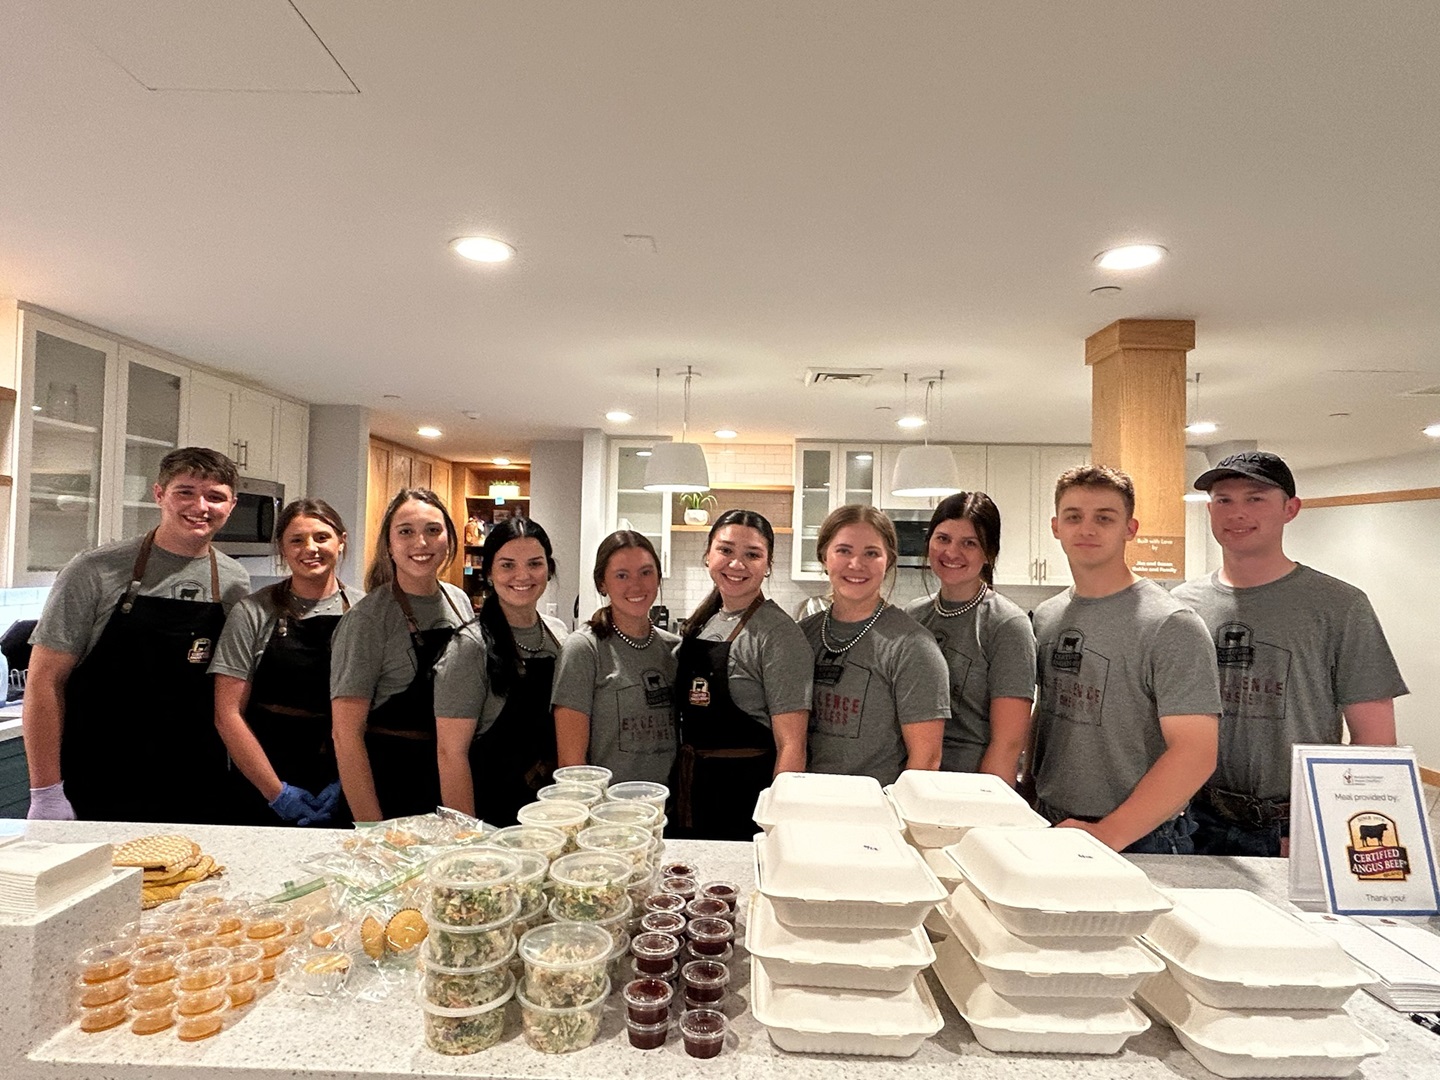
1125	716
1298	651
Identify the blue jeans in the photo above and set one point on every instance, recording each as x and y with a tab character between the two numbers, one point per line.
1216	836
1169	838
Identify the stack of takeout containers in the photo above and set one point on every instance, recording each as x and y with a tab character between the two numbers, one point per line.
1252	990
834	929
939	808
1043	956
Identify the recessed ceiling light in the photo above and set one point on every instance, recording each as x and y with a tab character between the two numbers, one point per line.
1130	257
726	433
1202	427
1433	430
428	432
1197	496
484	249
910	422
618	416
501	460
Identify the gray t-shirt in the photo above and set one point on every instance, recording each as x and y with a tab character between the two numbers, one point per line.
891	677
1292	654
372	656
1110	667
628	695
91	584
462	685
771	667
251	622
990	651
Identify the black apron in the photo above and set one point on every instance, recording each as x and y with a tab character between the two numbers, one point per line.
515	758
289	711
400	734
726	756
139	741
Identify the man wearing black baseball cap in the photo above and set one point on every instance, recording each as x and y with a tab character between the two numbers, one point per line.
1299	651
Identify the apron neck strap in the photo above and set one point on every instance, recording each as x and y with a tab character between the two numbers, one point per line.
749	611
403	599
142	560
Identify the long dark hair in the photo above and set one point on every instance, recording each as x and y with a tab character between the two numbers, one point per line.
502	657
382	564
603	621
980	510
711	604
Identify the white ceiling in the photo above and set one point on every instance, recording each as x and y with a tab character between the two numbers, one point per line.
910	186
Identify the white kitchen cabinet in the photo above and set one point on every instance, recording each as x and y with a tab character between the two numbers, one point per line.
1021	481
238	421
828	475
969	464
292	451
630	506
151	398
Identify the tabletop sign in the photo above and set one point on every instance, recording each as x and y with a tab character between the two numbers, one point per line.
1359	835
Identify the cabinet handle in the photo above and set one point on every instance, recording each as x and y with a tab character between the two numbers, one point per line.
1044	570
1035	571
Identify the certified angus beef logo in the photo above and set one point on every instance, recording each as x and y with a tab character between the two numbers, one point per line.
1234	645
657	689
1375	853
1069	651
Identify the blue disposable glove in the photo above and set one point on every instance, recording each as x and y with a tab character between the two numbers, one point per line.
295	804
327	801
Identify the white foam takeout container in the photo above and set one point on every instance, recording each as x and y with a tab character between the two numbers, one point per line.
844	875
1053	967
846	958
1057	883
1036	1025
1260	1042
826	798
810	1020
942	866
939	808
1233	950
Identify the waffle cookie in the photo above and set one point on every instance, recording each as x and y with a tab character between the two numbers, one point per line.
167	854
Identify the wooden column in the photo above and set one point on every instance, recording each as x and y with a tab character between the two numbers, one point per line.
1137	424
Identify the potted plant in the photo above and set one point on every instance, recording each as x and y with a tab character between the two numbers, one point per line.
695	503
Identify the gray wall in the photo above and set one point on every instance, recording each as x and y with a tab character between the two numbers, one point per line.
555	484
339	473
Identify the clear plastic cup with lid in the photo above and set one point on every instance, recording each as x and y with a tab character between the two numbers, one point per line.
644	791
155	963
465	987
629	841
727	891
549	842
648	999
104	1017
710	936
560	1029
95	995
703	1031
467	1029
590	886
626	813
679	869
472	886
103	963
565	964
663	922
589	794
567	815
471	946
595	775
654	952
201	969
708	907
616	925
265	921
665	901
705	980
152	1009
683	887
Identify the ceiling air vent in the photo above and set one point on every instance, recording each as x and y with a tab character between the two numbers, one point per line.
840	376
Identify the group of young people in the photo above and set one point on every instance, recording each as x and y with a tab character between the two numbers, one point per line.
1134	713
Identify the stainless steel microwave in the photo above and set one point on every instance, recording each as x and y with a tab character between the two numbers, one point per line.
251	528
910	529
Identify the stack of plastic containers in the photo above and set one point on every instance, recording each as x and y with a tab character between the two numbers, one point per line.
474	899
1043	956
593	887
563	992
1251	990
834	929
939	808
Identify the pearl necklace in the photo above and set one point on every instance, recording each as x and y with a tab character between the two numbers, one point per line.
968	605
841	650
636	645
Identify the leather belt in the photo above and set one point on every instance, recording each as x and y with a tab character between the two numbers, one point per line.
395	733
1247	811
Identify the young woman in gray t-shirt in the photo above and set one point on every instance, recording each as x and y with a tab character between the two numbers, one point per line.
613	697
986	639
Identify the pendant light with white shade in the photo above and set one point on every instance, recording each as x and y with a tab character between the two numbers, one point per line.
677	466
926	471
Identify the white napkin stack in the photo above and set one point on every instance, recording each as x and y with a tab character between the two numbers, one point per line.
1405	956
35	875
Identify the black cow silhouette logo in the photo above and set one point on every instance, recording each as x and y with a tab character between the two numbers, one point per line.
1372	832
1235	645
1069	651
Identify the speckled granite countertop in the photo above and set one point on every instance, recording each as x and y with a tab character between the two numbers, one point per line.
288	1035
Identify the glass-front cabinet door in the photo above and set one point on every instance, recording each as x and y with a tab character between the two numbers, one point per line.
814	488
632	507
67	379
152	409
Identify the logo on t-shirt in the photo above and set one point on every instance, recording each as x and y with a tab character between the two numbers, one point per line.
657	689
1234	645
188	590
1069	651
